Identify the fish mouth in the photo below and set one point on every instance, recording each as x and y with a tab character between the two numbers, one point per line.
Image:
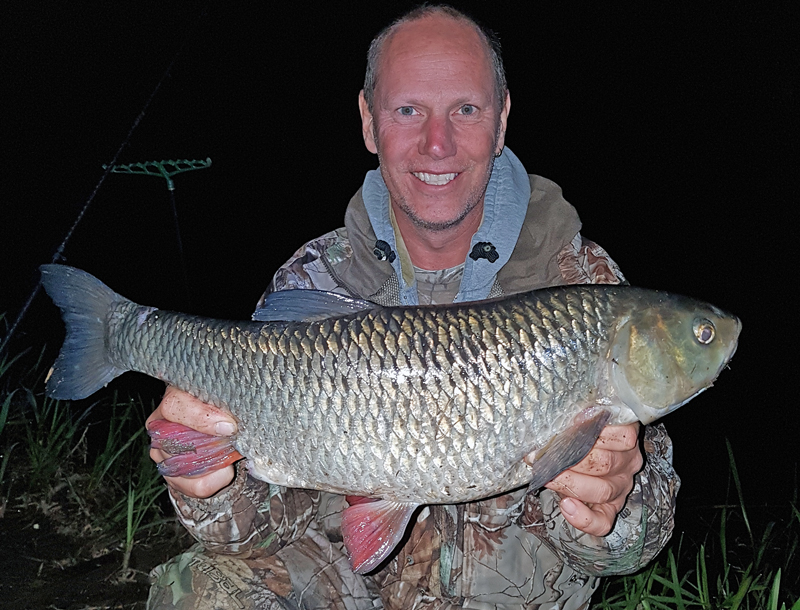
435	179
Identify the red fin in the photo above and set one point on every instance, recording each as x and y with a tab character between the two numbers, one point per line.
371	529
352	500
193	453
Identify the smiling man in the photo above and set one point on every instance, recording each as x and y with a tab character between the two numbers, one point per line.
436	119
450	215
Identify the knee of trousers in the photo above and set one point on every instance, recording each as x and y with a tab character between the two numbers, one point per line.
200	581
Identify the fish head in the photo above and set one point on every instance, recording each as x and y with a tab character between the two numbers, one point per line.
668	349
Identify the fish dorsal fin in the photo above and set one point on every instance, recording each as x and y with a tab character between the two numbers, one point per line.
308	306
371	529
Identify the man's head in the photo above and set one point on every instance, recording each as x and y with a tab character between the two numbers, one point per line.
434	110
489	39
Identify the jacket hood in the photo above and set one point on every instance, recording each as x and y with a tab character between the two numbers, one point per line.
508	211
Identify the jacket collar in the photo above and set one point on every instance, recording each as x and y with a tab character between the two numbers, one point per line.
505	206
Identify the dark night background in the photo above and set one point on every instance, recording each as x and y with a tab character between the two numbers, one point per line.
672	129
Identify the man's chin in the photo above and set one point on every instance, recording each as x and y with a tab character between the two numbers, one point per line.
436	226
437	223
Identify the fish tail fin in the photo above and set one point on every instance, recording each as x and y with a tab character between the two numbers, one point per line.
82	366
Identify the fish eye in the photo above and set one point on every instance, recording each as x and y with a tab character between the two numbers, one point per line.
704	330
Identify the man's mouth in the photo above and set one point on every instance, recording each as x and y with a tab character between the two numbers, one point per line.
435	179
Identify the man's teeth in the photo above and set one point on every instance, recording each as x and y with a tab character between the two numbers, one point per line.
435	179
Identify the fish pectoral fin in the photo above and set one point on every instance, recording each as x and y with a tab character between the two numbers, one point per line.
372	529
192	453
567	448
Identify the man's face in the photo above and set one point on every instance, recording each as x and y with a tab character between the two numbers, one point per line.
436	124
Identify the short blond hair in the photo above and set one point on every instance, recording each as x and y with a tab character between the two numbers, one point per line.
489	38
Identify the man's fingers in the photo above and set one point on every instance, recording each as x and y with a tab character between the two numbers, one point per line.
619	438
203	486
183	408
594	490
597	463
615	452
591	503
591	489
604	463
597	520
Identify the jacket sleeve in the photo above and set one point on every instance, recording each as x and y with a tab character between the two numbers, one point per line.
643	526
582	261
249	518
307	268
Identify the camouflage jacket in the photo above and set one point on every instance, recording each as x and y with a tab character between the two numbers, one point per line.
513	551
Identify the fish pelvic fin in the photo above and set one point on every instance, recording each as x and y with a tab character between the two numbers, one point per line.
567	448
82	366
371	529
193	453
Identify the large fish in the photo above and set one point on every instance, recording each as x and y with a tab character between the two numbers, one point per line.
403	405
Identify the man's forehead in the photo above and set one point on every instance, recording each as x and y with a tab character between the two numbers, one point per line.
434	28
437	37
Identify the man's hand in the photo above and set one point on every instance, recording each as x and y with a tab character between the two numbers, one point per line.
182	408
594	490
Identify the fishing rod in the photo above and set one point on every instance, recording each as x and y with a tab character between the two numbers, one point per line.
58	254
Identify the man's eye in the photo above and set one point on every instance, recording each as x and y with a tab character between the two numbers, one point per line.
406	110
468	109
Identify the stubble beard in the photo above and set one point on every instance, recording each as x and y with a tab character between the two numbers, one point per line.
474	198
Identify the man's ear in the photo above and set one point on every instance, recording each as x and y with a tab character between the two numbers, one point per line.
501	131
367	124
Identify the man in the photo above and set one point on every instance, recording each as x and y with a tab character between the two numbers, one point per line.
451	215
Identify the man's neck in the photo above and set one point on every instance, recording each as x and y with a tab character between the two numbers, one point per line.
434	250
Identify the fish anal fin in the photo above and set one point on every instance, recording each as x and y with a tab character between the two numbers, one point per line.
371	529
568	447
192	453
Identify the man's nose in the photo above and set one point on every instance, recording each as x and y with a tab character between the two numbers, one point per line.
438	141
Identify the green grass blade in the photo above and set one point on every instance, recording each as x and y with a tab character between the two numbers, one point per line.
5	409
772	602
738	485
702	578
744	586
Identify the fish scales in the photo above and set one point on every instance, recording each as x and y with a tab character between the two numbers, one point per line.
419	404
483	385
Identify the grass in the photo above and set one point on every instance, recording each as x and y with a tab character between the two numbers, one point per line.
85	469
734	566
88	472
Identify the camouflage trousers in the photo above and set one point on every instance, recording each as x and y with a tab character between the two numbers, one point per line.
301	576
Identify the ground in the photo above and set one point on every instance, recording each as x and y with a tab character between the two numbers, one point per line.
42	569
